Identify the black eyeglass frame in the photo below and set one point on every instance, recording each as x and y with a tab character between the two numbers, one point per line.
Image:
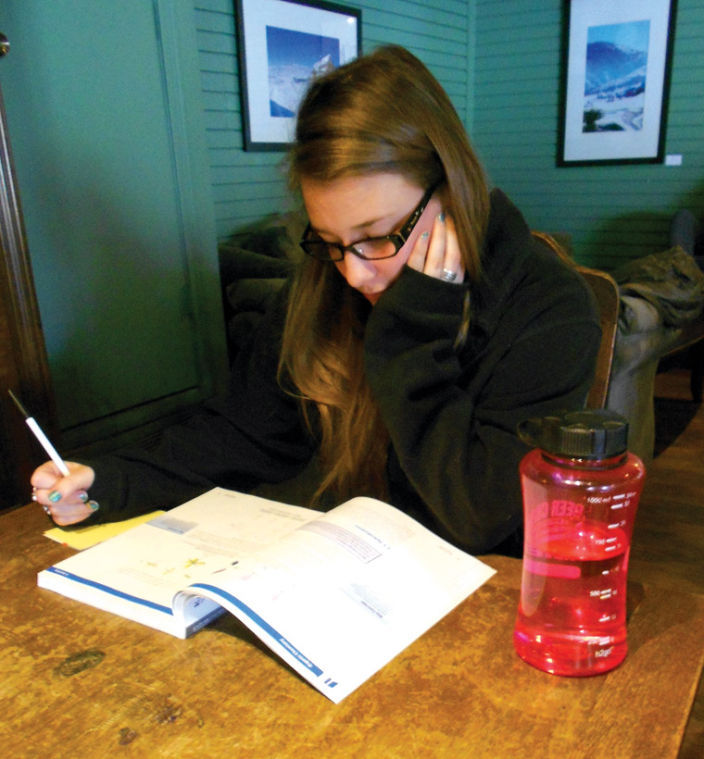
399	239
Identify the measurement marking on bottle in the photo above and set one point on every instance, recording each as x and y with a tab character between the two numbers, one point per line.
616	525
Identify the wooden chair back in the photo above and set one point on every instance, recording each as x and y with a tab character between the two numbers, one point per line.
606	293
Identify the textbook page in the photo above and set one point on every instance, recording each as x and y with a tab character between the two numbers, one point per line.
137	573
343	594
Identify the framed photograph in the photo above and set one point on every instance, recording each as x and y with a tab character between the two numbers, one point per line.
616	77
282	45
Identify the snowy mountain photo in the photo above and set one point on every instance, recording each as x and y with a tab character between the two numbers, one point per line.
615	79
294	58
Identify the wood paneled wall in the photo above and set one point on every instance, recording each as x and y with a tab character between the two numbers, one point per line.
612	213
501	63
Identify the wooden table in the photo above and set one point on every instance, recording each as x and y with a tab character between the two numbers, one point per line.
81	683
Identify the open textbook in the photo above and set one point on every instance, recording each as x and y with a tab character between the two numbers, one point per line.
336	595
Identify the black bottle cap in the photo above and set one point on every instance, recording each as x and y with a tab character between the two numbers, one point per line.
589	434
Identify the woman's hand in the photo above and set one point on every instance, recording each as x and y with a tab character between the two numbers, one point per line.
65	499
437	254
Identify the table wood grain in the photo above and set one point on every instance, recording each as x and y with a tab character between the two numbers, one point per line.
80	683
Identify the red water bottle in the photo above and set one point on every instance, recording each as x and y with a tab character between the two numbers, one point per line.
580	494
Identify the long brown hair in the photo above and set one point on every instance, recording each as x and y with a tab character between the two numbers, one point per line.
382	113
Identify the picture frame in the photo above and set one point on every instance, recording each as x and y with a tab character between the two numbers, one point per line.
281	45
617	60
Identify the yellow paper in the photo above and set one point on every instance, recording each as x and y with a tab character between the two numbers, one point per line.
85	537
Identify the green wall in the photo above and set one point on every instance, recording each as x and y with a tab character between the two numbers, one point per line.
612	213
249	185
499	60
501	63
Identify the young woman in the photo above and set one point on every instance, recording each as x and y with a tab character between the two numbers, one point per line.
423	325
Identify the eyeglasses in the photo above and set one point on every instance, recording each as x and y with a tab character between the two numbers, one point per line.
371	248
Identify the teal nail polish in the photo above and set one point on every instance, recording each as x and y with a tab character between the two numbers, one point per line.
54	496
425	236
441	216
84	497
94	505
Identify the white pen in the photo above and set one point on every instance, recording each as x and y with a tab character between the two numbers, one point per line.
41	437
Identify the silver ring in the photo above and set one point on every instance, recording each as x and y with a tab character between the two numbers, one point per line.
448	275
